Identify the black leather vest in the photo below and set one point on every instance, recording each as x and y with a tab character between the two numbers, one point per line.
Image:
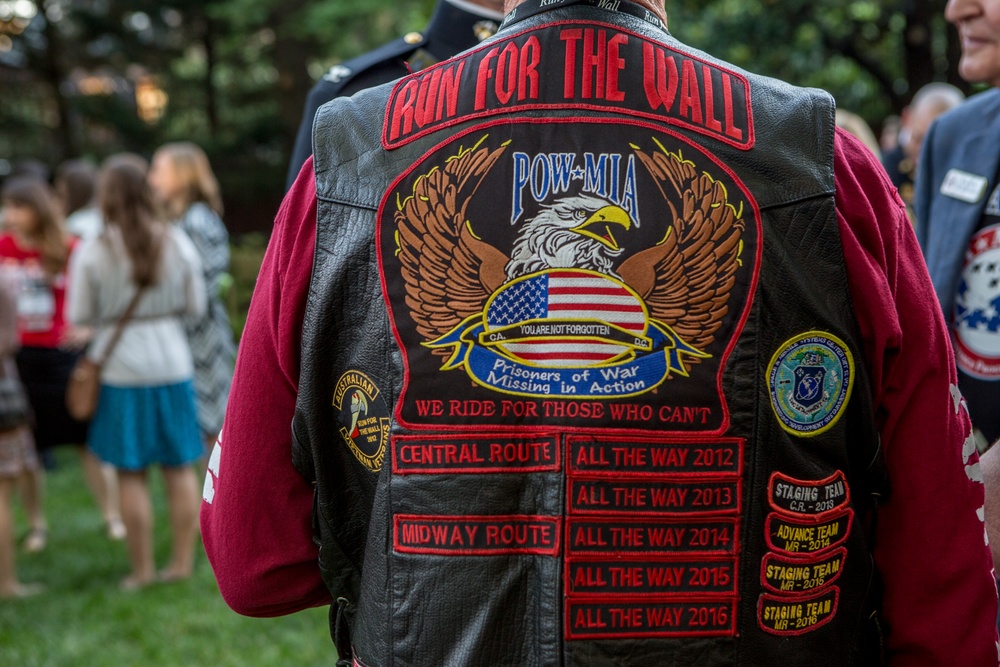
582	384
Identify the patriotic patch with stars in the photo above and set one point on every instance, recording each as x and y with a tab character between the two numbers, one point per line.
567	272
810	379
977	303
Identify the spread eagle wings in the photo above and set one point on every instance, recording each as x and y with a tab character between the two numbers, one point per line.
449	273
686	279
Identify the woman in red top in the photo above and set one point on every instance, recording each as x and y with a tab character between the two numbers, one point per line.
34	252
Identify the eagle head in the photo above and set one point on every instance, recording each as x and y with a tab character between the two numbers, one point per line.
574	232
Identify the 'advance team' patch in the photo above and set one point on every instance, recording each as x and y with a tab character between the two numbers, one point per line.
362	418
810	381
563	275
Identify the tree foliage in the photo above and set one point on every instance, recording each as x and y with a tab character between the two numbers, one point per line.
92	77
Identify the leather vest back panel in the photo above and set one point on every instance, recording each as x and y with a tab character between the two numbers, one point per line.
579	363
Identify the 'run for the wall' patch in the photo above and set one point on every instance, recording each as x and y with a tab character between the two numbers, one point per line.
586	66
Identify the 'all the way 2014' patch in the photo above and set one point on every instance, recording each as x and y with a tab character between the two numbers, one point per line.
810	379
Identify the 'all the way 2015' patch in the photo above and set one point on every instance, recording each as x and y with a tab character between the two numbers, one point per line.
810	379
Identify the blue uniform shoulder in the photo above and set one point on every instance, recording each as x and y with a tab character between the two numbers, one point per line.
400	49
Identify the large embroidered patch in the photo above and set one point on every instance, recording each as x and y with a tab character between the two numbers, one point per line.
810	378
568	284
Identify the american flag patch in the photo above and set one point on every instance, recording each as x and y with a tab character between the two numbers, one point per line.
566	318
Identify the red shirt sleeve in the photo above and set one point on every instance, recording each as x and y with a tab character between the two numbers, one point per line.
940	600
256	515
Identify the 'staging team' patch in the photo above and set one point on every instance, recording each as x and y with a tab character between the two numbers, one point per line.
810	379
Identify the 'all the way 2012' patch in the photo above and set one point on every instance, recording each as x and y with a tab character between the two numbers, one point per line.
810	379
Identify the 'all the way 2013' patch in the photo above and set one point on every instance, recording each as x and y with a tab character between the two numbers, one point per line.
810	379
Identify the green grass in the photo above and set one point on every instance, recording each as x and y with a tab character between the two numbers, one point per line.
83	620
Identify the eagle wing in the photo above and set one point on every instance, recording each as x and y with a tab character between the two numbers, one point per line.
686	279
448	272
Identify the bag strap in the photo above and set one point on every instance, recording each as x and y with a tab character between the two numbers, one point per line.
120	326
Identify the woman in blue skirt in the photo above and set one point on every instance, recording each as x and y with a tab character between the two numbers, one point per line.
146	412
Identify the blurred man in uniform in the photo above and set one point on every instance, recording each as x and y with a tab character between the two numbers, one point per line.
456	25
651	369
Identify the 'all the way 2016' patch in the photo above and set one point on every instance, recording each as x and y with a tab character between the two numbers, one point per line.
810	379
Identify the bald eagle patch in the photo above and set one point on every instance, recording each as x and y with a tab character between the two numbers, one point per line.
602	272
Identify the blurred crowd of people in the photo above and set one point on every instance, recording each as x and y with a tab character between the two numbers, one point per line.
75	253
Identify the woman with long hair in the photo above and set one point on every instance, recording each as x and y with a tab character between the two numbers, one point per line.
182	179
34	252
145	414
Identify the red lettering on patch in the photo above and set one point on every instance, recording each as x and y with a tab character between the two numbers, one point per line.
703	537
651	577
477	535
475	454
668	497
645	458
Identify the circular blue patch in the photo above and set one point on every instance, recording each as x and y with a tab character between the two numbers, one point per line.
810	379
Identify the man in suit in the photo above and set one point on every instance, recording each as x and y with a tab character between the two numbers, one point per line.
958	211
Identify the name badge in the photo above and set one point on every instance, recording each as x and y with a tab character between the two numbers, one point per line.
963	186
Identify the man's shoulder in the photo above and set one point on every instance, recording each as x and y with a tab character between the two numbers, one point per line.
980	109
386	63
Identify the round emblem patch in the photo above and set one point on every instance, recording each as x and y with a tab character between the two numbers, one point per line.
363	418
810	381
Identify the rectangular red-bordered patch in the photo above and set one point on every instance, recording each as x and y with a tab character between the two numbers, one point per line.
475	454
630	619
790	617
477	535
666	497
809	497
797	575
661	577
632	537
800	535
641	457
